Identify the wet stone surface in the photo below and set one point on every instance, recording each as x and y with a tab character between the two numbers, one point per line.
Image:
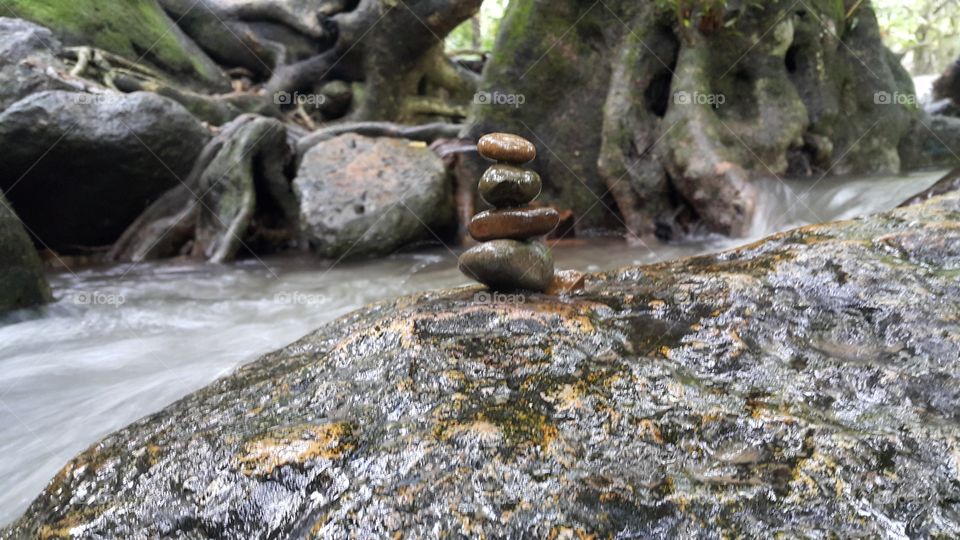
513	223
509	264
806	385
507	148
505	185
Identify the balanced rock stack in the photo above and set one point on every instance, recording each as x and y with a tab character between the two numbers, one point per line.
510	258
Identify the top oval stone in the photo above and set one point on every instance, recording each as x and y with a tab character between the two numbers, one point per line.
507	148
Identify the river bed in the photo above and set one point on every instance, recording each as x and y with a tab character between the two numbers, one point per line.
124	341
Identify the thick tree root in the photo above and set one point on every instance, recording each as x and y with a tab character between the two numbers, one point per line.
210	215
703	170
426	133
628	160
122	75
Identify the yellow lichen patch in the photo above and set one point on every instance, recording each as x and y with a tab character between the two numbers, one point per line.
296	445
568	397
153	454
480	431
64	527
568	533
650	431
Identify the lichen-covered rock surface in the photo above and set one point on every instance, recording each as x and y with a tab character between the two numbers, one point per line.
807	385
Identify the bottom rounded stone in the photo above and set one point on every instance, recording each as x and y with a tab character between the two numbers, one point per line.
509	264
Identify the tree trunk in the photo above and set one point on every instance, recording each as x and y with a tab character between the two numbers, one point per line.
640	110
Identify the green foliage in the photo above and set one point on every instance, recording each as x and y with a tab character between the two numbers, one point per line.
467	37
924	32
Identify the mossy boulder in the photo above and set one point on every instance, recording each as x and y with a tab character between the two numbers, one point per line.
138	30
804	386
22	283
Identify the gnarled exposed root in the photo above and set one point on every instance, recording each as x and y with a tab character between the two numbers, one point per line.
628	159
216	205
704	171
426	133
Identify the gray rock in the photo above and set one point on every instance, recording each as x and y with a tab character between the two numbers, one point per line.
509	264
807	385
27	61
22	283
370	196
79	168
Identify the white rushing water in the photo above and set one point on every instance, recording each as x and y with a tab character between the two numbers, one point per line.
125	341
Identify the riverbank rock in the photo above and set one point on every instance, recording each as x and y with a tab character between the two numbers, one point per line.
22	283
806	385
362	196
138	30
27	61
79	168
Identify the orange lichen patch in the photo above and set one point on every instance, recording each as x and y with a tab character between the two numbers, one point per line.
568	397
565	282
481	431
64	528
296	445
649	430
515	423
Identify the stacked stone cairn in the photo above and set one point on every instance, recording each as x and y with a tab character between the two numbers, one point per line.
510	257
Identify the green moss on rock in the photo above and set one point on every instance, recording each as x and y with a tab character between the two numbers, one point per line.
135	29
21	280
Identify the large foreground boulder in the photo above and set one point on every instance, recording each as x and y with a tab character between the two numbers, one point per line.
22	283
804	386
364	196
79	168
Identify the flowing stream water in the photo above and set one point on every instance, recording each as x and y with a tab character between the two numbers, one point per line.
124	341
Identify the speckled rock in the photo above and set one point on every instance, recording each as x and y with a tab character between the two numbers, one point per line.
513	223
507	148
804	386
506	185
509	264
362	196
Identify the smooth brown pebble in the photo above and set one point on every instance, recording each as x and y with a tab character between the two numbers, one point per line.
507	148
566	282
513	223
504	186
509	265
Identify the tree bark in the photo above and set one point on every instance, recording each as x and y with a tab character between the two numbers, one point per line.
691	103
